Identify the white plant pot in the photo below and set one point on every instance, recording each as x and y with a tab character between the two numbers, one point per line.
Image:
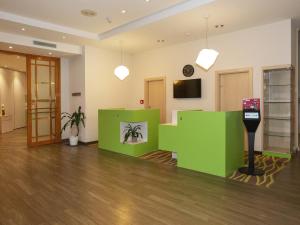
73	140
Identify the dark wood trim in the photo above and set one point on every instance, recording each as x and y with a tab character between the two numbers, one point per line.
57	133
29	100
30	55
58	101
89	143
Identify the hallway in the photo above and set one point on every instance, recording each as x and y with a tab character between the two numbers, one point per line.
61	185
16	139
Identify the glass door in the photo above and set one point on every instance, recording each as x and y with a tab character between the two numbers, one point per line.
43	100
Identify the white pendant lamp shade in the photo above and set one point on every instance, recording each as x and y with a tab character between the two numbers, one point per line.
121	72
207	58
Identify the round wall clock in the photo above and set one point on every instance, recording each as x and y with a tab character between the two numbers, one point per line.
188	70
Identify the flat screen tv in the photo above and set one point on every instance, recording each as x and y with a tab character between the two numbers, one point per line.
187	88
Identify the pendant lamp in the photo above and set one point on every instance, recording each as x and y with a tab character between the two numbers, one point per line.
121	71
207	57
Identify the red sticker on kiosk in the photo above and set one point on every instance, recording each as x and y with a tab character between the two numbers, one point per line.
251	103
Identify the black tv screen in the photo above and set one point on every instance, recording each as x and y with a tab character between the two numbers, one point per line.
187	88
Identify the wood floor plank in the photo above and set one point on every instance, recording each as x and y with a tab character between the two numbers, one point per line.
62	185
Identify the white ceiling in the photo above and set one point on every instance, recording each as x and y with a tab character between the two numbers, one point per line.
234	14
65	19
67	12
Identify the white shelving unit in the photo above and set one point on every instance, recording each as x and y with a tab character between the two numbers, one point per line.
278	114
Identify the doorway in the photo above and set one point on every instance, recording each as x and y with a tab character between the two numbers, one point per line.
155	95
232	86
44	108
30	97
13	90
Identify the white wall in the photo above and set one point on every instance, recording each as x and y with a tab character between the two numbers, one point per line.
102	88
12	95
20	89
77	85
7	90
65	90
256	47
91	74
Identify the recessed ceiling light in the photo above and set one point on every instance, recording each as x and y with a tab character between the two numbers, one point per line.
123	11
147	0
18	56
23	29
50	53
10	47
88	13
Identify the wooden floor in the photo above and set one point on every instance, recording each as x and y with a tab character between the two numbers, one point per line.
60	185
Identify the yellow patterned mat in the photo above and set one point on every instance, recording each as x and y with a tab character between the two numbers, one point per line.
162	157
271	165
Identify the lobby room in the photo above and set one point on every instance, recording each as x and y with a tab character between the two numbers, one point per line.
145	112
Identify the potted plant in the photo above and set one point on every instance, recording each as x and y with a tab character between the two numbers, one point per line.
133	132
74	119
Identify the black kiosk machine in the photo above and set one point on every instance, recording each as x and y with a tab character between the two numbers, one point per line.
251	119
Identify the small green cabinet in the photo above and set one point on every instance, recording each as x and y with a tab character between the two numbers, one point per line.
209	142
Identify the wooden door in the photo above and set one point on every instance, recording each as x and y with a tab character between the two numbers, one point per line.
232	87
43	108
155	96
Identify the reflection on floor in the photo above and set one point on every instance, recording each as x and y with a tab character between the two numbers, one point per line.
62	185
16	138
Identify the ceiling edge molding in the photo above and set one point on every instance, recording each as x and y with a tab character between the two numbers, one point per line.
13	39
45	25
162	14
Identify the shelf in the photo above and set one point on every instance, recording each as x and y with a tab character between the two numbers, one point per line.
277	134
278	101
277	149
278	85
279	111
278	117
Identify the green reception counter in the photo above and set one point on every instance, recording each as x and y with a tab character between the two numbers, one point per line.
113	122
208	142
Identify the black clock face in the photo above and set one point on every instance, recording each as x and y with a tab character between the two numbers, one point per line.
188	70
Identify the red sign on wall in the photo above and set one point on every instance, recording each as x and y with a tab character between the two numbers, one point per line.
251	103
142	101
